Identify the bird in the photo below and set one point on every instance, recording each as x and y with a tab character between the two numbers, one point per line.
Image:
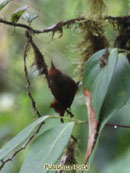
63	88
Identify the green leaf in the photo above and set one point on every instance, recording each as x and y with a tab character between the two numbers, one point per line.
109	87
20	138
50	122
119	91
47	148
18	13
33	18
97	80
28	18
117	96
4	3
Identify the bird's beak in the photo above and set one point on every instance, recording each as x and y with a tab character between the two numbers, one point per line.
52	64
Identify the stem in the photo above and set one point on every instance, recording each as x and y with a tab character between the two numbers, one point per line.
117	125
28	82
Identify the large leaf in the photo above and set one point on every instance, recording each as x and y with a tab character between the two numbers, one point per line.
119	91
18	13
20	138
4	3
47	148
96	82
96	79
118	95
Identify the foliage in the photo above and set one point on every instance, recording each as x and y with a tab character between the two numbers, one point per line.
3	4
18	13
104	75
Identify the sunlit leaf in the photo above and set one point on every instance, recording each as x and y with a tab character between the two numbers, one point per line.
18	13
26	16
47	148
33	18
4	3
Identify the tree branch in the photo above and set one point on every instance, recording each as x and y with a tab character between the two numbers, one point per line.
20	25
117	17
59	25
28	82
3	162
52	28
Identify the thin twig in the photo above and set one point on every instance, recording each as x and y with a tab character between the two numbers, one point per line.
117	125
78	122
69	119
28	82
21	148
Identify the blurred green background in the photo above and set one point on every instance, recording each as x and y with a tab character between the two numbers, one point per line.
113	154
